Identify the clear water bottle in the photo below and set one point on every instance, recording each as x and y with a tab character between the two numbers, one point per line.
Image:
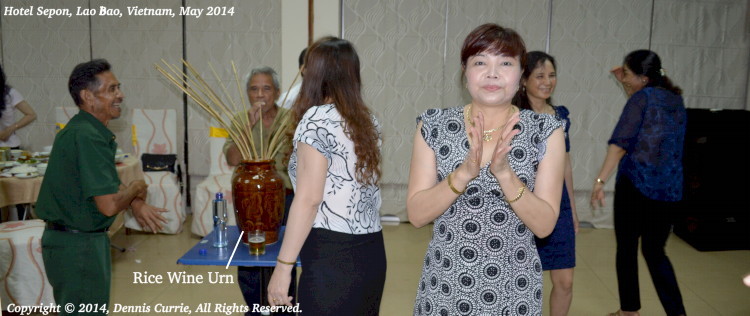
220	221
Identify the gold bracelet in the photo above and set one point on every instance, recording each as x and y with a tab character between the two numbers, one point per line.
599	180
450	184
285	262
520	194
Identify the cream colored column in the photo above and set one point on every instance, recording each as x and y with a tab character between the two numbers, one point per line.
293	38
327	21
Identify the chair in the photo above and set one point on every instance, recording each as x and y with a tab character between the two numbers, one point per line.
219	180
23	280
154	132
63	114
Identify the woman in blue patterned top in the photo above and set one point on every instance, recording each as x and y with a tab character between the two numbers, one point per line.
334	221
558	250
646	147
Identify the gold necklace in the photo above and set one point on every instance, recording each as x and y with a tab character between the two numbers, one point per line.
487	135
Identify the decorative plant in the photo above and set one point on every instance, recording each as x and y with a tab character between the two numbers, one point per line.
226	112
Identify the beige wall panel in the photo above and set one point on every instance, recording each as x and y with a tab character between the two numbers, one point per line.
38	55
702	45
133	44
393	200
250	38
401	51
294	34
377	59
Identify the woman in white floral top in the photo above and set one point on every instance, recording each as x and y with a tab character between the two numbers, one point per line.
334	223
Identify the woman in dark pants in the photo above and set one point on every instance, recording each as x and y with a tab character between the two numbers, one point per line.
646	146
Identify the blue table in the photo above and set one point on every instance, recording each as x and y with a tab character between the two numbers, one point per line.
220	256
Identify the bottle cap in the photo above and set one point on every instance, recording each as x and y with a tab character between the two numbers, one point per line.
219	196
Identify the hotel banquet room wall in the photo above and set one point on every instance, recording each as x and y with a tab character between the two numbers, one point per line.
409	51
39	53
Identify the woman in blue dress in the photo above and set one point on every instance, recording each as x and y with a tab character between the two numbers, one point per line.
646	147
558	250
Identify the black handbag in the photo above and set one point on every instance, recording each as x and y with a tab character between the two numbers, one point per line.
159	162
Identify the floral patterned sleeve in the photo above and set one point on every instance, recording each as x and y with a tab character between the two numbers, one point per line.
314	131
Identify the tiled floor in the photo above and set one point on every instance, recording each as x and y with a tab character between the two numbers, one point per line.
710	281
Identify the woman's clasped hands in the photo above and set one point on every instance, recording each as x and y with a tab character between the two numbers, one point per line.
498	158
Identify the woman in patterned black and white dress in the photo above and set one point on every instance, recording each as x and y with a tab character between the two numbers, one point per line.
334	221
490	177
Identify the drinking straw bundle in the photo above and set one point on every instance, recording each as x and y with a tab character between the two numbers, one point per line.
230	114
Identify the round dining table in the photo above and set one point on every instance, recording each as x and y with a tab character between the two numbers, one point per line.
26	190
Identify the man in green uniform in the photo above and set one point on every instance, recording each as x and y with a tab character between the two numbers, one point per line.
81	193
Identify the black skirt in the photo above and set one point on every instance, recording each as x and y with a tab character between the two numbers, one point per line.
342	274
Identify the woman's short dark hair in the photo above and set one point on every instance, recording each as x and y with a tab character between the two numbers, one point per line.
84	77
644	62
534	60
495	39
